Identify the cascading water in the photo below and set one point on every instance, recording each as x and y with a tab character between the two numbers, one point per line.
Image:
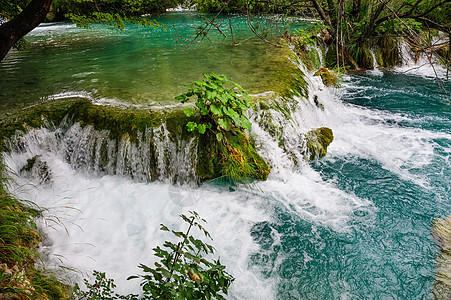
375	71
423	64
352	225
152	156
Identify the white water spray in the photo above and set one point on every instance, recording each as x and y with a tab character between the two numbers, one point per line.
375	71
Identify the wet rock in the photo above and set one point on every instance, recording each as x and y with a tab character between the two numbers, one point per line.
328	78
441	232
316	143
37	168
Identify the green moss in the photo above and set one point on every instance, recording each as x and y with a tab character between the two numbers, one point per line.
317	141
235	159
387	52
117	120
328	78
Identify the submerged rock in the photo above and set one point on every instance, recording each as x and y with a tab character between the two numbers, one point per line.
37	168
316	143
441	232
328	78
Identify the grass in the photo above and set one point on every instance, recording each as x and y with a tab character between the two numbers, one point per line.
19	278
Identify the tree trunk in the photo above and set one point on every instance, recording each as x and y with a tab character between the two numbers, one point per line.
26	21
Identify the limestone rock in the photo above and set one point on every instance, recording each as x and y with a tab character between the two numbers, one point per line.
316	143
328	78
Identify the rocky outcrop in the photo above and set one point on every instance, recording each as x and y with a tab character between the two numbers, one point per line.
316	143
328	78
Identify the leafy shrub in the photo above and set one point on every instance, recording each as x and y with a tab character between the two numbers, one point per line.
221	108
181	273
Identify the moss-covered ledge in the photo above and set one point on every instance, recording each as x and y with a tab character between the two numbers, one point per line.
233	158
214	159
117	120
441	232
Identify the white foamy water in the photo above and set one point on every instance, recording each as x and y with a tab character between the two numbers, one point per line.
375	71
110	223
425	64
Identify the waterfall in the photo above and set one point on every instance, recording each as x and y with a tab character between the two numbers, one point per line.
151	156
375	71
287	237
423	64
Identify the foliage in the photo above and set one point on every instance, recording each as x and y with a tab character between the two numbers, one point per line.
110	12
181	273
221	108
101	289
9	286
309	36
11	8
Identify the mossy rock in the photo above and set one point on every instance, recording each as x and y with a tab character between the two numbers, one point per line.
316	143
328	78
235	159
387	52
441	231
36	167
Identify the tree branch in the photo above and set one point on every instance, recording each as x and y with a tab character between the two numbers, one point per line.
26	21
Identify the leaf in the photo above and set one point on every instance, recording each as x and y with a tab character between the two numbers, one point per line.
164	228
219	136
166	273
245	123
222	98
189	111
224	124
201	128
216	110
191	126
209	95
181	98
234	116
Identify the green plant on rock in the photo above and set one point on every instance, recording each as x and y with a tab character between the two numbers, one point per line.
309	36
221	108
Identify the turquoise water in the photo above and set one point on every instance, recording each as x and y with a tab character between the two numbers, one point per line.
136	65
386	252
354	225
